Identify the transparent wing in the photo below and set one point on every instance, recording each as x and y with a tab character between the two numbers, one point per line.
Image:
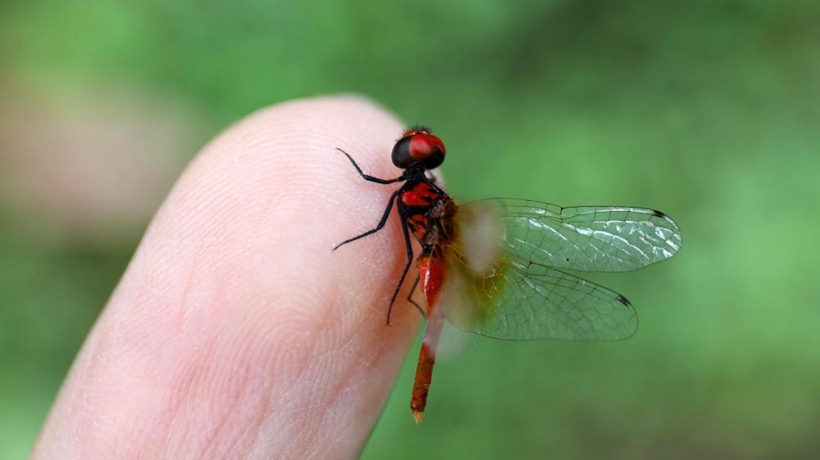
506	262
515	299
583	238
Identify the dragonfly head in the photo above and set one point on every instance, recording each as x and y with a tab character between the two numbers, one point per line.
418	146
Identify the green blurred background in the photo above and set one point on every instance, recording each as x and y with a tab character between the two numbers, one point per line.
708	110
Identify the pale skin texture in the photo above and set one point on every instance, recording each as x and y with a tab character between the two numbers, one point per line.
236	331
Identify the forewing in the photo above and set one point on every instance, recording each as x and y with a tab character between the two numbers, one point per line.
583	238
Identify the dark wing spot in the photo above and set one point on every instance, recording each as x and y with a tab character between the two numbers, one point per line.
658	214
623	300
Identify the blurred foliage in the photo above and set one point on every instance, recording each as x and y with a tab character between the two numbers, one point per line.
707	110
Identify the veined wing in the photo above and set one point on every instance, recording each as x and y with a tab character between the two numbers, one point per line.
583	238
515	299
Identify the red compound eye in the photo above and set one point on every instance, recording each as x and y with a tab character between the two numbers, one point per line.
418	146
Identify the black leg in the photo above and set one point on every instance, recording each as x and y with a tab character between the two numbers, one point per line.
409	247
378	227
410	297
368	177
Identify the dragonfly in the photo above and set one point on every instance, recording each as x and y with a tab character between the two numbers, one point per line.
501	267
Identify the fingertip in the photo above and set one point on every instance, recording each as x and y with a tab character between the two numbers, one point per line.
237	301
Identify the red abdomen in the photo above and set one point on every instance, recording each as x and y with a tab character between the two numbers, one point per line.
431	273
431	276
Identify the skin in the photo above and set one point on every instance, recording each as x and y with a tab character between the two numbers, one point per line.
236	331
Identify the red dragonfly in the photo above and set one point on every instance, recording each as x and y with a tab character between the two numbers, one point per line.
498	267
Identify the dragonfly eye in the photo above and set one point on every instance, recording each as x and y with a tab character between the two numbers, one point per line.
418	146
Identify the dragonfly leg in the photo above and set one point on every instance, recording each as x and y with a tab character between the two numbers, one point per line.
409	248
367	177
378	227
410	297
